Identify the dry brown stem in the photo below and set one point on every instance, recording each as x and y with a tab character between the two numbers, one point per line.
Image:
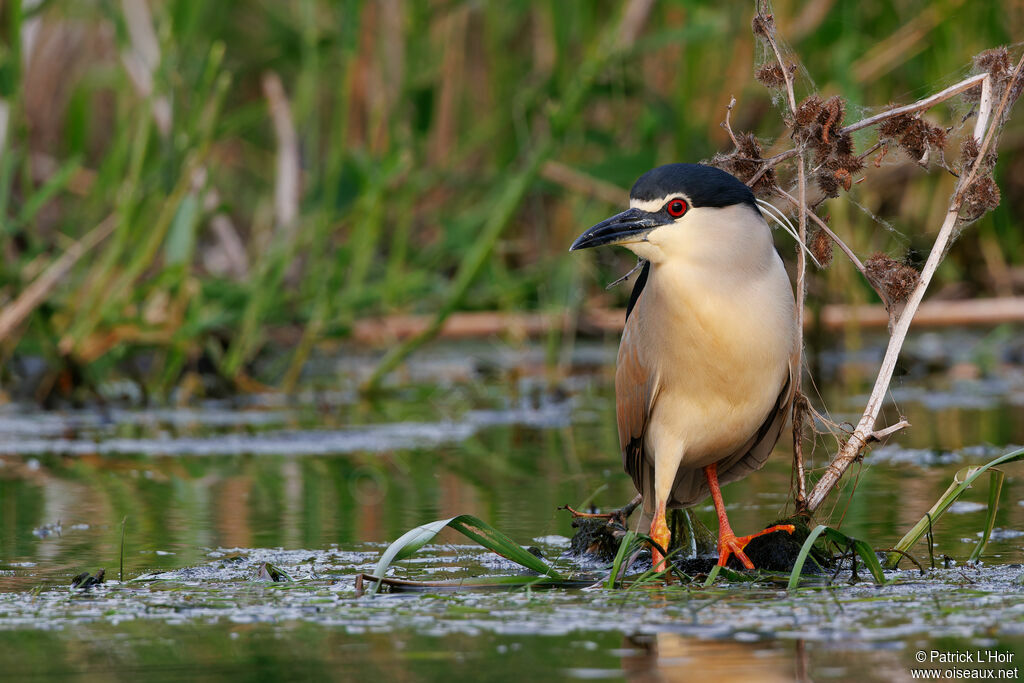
920	105
817	127
764	26
801	294
865	432
728	125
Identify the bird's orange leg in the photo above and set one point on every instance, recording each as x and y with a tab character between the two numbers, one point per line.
728	542
660	535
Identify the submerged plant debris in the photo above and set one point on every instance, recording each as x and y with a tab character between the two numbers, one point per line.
941	603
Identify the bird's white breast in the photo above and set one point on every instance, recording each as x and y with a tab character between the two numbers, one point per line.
715	323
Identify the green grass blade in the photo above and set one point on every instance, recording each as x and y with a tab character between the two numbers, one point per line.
181	237
620	557
496	541
712	575
801	558
471	527
862	548
961	482
995	487
866	552
54	184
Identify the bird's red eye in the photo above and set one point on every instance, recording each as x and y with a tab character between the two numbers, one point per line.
676	208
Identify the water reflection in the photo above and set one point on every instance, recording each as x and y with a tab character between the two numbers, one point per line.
329	470
670	657
306	475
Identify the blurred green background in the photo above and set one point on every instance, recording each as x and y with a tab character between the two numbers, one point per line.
252	178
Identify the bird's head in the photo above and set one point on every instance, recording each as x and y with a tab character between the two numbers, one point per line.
682	210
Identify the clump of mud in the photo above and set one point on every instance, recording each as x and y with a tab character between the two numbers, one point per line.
693	549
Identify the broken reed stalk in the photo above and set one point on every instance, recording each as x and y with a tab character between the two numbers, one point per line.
984	135
865	431
801	294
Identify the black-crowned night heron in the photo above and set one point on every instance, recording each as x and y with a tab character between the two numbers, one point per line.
703	382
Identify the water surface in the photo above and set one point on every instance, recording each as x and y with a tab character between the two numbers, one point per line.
318	485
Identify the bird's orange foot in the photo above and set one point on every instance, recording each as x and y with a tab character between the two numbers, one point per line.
730	544
662	536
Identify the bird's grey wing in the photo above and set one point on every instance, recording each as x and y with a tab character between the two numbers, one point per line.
635	392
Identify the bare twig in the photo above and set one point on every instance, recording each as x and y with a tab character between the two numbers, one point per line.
639	264
882	434
587	515
984	109
920	105
823	226
728	125
771	162
865	431
801	293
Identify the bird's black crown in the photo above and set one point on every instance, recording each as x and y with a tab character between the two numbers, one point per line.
703	185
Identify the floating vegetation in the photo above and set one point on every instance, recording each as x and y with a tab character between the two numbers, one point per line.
85	580
469	526
597	534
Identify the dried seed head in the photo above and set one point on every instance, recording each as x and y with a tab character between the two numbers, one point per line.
998	63
936	136
896	279
807	111
771	76
843	145
913	134
748	145
821	246
834	110
969	151
844	178
745	162
763	25
995	61
895	126
982	197
827	183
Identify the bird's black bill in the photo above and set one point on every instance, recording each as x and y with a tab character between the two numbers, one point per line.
627	226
